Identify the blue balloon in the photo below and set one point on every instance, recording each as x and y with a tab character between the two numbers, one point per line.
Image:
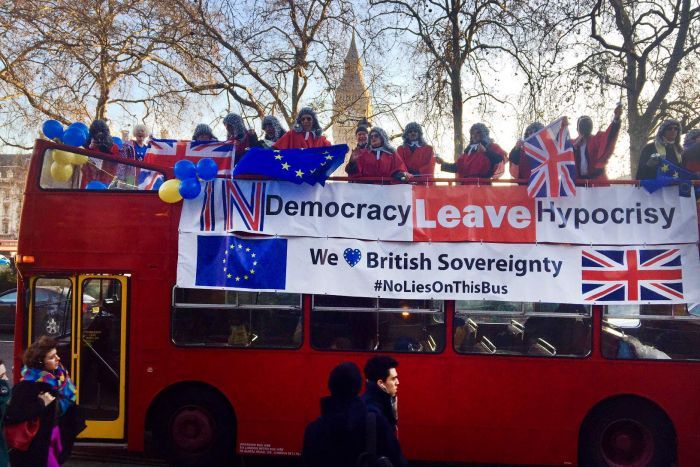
118	141
207	169
190	188
52	129
95	185
185	169
80	126
74	137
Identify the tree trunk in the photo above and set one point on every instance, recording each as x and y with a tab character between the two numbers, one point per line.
457	111
638	132
101	108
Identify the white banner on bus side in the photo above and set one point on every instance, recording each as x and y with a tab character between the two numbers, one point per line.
467	271
615	215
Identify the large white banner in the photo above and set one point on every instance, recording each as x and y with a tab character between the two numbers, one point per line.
467	271
615	215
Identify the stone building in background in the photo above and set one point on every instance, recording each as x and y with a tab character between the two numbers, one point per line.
352	101
13	174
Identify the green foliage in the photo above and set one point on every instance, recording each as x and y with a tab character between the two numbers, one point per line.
8	278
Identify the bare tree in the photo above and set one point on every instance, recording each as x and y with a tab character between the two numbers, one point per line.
453	40
72	60
265	56
644	52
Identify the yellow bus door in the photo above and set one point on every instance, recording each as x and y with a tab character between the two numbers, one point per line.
100	354
90	327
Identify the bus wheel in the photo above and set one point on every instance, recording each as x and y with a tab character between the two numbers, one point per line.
627	434
196	428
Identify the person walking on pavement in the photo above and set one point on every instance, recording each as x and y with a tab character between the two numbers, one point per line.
381	389
4	399
339	437
46	393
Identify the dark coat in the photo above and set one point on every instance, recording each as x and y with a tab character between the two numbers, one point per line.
25	405
379	402
338	436
4	399
645	172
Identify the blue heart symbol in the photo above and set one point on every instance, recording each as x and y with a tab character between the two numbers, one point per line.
352	257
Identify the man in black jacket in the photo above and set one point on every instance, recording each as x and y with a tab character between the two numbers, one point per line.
339	436
382	386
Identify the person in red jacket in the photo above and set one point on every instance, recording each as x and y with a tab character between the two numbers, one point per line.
690	157
237	133
99	139
306	133
378	160
362	136
520	165
416	153
592	152
481	159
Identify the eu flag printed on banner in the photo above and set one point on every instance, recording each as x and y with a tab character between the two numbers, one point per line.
246	263
668	174
313	165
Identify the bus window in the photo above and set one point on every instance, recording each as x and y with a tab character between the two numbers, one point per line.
378	325
220	318
52	313
662	332
65	170
520	328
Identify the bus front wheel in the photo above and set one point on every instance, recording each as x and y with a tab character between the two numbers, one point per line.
195	428
627	434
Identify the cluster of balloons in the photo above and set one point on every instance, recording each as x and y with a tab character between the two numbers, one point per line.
187	182
75	135
63	162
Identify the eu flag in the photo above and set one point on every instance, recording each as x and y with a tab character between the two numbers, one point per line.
313	165
246	263
667	174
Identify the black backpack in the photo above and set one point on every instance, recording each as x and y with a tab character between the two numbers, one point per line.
369	457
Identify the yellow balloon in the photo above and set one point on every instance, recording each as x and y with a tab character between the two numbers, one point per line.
62	157
61	172
79	159
170	191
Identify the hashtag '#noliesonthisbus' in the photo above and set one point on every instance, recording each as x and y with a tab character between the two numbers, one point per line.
378	285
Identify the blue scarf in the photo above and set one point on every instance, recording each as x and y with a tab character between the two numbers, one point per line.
59	381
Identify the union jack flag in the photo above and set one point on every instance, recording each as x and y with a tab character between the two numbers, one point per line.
149	179
165	152
552	157
629	275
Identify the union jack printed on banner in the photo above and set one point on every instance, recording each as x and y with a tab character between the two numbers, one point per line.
165	152
249	205
224	201
551	155
628	275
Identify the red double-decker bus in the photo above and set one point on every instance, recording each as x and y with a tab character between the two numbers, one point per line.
209	374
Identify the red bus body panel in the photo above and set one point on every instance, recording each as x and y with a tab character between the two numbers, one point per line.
452	407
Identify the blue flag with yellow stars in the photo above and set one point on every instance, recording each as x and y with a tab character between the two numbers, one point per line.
247	263
668	174
313	165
